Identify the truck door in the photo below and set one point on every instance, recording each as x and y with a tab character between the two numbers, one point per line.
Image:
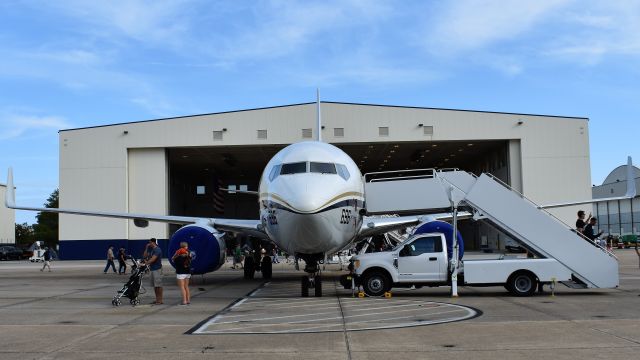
422	259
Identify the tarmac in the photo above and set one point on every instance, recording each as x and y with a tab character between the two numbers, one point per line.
67	314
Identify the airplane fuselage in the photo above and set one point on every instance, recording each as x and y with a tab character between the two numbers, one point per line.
310	197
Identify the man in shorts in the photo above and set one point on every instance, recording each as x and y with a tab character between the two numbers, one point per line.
153	256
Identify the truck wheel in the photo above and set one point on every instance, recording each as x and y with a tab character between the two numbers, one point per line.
522	284
376	283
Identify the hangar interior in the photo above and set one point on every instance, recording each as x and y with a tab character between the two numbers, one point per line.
197	173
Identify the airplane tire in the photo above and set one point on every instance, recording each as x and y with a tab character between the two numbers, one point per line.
267	268
304	286
249	269
318	286
522	284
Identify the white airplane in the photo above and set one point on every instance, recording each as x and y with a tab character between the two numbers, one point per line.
311	199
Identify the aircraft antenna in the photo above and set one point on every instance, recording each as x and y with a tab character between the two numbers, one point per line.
319	115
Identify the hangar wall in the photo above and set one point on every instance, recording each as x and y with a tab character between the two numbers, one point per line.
122	167
7	220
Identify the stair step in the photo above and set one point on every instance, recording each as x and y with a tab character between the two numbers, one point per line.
573	284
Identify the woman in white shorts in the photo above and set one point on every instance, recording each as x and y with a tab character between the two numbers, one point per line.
182	261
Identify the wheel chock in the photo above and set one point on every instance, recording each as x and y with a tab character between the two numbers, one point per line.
387	294
361	294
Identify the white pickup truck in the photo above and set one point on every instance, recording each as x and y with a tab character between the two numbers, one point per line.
422	260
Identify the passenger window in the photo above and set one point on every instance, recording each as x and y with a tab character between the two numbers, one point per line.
343	172
293	168
323	168
275	171
431	244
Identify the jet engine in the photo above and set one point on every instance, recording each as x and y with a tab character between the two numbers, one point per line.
437	226
205	244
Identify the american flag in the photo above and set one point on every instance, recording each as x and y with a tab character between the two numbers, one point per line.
218	197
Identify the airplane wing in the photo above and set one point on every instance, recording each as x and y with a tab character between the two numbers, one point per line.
380	225
630	194
250	227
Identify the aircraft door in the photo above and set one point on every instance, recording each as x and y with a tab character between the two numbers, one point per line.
422	259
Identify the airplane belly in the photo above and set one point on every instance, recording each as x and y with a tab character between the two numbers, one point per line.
323	232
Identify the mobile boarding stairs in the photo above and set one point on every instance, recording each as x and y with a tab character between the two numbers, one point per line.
432	191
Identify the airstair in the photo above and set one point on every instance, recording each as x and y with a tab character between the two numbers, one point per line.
431	191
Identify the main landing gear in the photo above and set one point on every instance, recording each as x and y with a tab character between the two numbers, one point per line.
312	280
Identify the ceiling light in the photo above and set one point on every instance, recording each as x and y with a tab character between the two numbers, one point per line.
434	145
392	151
185	156
388	156
396	146
452	155
421	156
446	159
469	144
459	149
427	150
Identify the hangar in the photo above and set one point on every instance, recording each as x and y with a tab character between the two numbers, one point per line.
177	165
7	220
620	217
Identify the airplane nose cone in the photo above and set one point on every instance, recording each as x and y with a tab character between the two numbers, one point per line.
308	193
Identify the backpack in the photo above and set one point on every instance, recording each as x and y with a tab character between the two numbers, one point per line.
183	261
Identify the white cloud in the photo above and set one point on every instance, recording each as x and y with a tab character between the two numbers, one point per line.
16	126
281	28
474	24
615	31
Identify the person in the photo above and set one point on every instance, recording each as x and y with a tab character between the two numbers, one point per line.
47	259
274	259
110	258
182	262
589	232
153	259
122	262
237	257
580	223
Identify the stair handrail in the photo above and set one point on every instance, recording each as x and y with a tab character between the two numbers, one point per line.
567	226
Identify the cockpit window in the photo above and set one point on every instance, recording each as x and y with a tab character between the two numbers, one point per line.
323	168
293	168
343	172
275	171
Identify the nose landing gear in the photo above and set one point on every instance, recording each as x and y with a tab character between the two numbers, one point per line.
312	280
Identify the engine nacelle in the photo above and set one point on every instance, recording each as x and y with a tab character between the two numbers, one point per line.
437	226
206	245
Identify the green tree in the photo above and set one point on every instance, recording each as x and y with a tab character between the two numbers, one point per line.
24	234
47	227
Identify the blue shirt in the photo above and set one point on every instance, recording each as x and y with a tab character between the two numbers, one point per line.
157	264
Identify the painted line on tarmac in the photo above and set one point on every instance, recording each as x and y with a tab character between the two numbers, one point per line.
203	323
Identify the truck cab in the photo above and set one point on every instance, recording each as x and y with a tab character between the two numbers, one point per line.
424	259
419	259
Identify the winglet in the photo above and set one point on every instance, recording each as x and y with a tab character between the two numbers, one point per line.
631	181
10	196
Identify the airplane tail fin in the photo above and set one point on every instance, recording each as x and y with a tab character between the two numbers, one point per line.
319	116
10	196
631	181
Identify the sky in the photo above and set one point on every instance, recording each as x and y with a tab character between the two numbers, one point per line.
76	63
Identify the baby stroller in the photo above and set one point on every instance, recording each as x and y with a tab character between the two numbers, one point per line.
133	287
